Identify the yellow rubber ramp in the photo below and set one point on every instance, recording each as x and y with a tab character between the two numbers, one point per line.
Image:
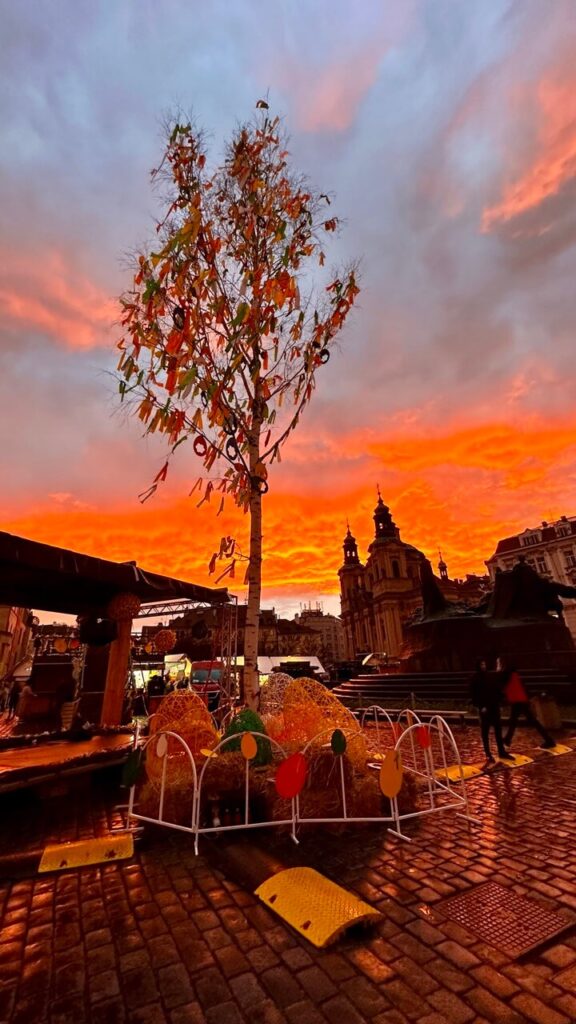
456	772
519	761
557	750
103	850
317	908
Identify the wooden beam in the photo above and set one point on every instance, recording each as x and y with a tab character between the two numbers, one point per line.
117	674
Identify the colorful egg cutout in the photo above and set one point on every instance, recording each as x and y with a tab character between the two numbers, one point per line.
291	776
162	746
423	737
248	746
60	645
205	752
391	774
338	742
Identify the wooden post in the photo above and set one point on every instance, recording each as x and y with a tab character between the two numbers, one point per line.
116	675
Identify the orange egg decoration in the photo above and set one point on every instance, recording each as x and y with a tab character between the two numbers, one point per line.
423	737
60	645
248	746
390	776
291	776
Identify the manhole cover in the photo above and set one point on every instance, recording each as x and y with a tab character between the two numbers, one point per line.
502	918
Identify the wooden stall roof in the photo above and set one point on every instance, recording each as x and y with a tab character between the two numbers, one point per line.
34	575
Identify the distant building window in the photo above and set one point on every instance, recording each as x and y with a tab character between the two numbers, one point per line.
395	569
541	565
563	531
532	538
570	560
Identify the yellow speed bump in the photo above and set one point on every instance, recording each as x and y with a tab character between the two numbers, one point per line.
519	761
456	772
61	856
557	750
317	908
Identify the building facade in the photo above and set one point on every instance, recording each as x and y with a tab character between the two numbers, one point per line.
378	597
330	630
15	625
550	549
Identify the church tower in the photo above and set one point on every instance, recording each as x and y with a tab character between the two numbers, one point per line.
353	597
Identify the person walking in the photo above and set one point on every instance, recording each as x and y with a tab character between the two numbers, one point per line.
517	697
486	694
13	698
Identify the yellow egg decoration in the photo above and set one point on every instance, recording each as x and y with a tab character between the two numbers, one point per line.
248	746
391	774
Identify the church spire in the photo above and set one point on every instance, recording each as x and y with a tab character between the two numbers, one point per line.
350	548
384	525
442	567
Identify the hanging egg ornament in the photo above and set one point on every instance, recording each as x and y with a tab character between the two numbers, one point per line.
291	776
178	316
423	737
60	645
161	746
248	746
338	742
390	776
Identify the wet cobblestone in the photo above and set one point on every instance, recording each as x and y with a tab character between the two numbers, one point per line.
166	938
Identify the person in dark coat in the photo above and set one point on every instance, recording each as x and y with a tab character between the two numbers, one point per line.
486	694
516	696
13	699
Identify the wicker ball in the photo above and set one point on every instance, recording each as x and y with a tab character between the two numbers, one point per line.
165	640
186	714
124	606
272	693
311	710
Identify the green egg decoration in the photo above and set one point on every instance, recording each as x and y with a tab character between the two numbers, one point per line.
338	742
248	721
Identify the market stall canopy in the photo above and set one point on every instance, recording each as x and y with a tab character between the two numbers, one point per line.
34	575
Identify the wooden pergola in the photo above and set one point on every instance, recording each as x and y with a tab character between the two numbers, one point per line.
53	579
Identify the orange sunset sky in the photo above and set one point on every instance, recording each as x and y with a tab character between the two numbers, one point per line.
447	132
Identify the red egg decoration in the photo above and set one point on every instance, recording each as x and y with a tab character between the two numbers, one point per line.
291	776
423	737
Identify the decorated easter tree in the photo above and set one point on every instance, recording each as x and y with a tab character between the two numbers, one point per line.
229	318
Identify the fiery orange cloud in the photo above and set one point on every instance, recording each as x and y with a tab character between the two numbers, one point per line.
49	295
461	490
555	159
327	100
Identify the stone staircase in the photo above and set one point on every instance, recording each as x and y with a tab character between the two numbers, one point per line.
425	689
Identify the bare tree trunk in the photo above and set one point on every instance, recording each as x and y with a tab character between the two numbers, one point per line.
251	687
251	677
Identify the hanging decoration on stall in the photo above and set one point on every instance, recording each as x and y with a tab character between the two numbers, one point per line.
124	606
165	640
60	645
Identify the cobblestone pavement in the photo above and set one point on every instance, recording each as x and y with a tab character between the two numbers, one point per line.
166	938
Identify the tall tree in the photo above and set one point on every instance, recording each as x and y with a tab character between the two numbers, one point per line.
230	317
